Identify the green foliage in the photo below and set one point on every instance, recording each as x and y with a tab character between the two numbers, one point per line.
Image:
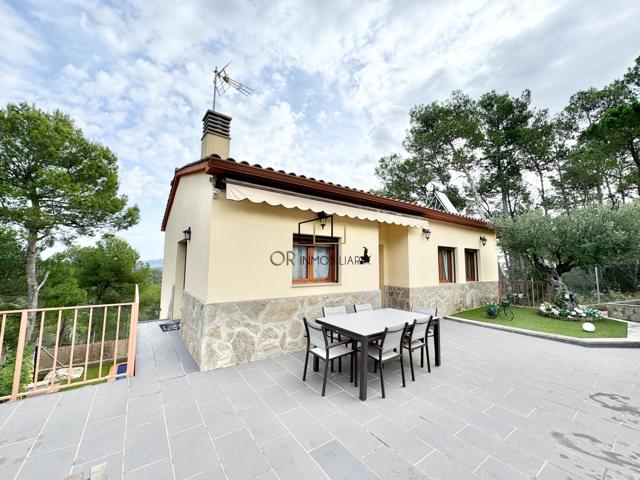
405	180
484	142
55	184
109	272
54	180
12	269
509	156
62	288
594	235
7	369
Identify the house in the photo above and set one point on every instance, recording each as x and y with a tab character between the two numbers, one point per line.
249	251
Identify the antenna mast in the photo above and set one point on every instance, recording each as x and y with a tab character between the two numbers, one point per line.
222	82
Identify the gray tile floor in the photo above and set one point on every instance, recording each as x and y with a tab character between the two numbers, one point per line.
502	406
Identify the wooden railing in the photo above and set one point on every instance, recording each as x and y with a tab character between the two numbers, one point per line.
81	344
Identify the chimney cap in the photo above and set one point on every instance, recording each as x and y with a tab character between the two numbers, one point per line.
216	123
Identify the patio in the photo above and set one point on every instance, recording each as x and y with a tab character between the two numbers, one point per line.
502	406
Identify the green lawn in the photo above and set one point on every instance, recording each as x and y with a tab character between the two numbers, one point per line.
529	319
93	371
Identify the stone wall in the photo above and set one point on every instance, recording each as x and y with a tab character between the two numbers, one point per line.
622	310
396	297
447	298
223	334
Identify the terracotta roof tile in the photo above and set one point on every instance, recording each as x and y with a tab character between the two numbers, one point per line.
429	212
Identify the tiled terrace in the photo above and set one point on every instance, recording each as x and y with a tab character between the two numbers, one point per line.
502	406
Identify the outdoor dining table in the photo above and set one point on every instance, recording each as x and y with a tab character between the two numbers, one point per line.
369	325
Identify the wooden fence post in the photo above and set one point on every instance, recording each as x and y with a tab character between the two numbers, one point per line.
24	319
133	334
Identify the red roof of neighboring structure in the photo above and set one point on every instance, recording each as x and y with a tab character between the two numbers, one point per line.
229	168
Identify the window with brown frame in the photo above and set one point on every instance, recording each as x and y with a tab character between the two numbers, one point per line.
314	263
446	264
471	265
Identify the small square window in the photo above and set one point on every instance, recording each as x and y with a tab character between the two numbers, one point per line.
314	263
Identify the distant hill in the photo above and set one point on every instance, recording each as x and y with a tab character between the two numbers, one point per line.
157	263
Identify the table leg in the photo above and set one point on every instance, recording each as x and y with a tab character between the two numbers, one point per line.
436	341
362	365
316	364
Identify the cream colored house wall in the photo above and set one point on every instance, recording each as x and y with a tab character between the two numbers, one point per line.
191	208
395	241
228	257
423	254
245	236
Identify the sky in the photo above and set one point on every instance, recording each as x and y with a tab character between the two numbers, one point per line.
333	81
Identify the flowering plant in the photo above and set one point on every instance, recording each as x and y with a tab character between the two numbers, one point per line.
567	313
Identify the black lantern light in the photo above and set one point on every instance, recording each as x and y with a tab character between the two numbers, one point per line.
187	234
427	233
483	239
323	219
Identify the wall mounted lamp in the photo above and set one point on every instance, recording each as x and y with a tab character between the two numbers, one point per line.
322	216
483	239
187	234
427	233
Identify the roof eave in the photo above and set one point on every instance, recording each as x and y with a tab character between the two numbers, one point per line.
214	165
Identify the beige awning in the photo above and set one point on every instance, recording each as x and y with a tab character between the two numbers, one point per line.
258	194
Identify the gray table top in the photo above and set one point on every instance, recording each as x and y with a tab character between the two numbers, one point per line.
370	322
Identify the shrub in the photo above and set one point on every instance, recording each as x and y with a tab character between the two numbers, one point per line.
8	366
492	309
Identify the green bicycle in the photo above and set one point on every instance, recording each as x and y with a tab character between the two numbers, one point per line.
500	311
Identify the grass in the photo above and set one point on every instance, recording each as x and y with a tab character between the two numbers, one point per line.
529	319
93	371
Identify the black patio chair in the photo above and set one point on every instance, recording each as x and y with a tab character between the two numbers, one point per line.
320	345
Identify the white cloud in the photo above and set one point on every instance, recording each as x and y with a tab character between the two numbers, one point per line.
333	82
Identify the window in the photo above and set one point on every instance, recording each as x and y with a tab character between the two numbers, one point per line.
446	265
471	265
313	263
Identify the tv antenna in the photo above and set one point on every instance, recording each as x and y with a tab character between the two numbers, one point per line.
223	82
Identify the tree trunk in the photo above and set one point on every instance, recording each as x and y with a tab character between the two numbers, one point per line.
474	190
32	281
33	288
554	278
505	203
636	159
558	287
543	193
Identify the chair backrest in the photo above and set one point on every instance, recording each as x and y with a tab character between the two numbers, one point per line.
420	327
426	310
339	310
393	338
316	335
361	307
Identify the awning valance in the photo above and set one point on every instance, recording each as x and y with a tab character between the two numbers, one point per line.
257	194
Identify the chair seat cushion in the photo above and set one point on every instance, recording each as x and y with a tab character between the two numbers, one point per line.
385	355
334	352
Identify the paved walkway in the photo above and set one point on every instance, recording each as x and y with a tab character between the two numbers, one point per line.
502	406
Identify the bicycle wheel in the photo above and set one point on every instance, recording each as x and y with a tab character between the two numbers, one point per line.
508	314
